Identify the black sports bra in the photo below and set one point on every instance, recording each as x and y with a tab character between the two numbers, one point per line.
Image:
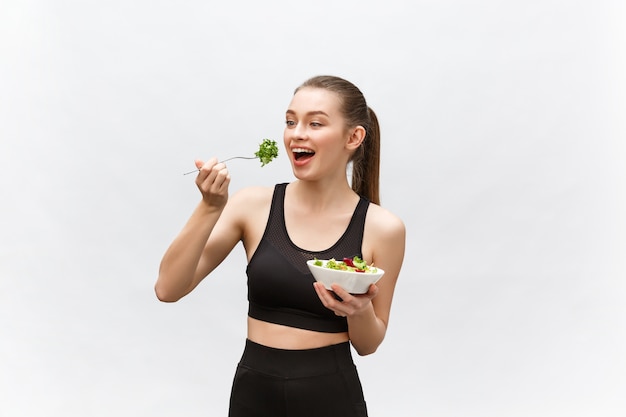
280	285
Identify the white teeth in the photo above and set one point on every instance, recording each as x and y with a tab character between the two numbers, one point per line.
301	150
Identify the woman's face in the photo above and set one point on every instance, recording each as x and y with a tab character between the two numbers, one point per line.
315	134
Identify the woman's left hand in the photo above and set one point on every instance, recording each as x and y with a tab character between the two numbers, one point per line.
350	304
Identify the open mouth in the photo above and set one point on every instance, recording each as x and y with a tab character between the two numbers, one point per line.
301	154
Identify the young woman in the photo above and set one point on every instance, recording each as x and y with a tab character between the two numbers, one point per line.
297	357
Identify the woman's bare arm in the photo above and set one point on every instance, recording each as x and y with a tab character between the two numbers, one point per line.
200	246
368	314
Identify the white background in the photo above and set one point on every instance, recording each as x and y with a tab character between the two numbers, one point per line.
503	151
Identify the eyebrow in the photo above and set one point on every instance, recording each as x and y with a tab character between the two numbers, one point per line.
311	113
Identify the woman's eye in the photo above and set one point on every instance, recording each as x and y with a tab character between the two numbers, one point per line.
290	123
316	124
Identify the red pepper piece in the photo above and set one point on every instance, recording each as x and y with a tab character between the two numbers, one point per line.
348	261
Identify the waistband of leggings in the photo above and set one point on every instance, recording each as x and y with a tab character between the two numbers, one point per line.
297	363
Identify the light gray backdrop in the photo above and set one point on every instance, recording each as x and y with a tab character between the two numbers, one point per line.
503	151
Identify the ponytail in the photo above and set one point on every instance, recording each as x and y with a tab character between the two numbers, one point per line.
366	162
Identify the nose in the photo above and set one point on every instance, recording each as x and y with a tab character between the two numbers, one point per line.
299	131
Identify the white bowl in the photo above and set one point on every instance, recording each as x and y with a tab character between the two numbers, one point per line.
353	282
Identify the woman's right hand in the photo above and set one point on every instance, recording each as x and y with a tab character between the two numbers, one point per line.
212	181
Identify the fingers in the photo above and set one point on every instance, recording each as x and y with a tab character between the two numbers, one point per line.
329	297
372	291
347	304
328	300
211	173
213	179
205	168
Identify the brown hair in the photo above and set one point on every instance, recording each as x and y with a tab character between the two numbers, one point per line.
366	159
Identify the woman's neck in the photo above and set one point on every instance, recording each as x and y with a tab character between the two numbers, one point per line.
320	196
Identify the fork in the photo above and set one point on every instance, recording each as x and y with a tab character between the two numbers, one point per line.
227	159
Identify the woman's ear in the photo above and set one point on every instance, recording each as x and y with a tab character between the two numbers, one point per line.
357	135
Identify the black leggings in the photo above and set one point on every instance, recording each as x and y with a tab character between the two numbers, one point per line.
319	382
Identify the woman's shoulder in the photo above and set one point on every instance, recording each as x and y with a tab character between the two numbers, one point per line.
384	239
384	222
253	194
248	204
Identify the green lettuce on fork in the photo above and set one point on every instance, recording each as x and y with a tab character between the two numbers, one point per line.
267	151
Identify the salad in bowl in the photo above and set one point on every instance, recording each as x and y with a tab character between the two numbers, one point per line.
352	274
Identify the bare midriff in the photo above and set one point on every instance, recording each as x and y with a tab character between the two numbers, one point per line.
285	337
